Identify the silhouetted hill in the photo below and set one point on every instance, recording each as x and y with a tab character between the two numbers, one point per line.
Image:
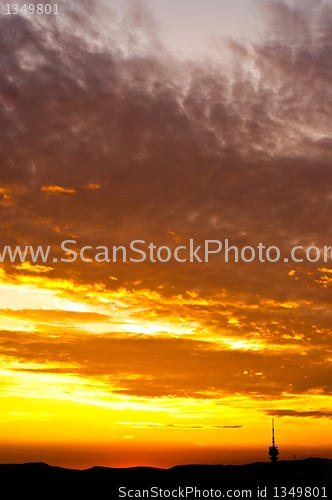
39	480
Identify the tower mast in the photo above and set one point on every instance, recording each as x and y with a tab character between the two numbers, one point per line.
273	450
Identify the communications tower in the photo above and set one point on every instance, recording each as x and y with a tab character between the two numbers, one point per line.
273	450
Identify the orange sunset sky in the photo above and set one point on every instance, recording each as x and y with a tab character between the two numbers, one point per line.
162	122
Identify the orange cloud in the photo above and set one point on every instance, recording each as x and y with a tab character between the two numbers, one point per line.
57	189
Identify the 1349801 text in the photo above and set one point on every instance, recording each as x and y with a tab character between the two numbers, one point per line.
30	8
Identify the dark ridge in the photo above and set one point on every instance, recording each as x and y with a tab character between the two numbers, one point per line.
40	480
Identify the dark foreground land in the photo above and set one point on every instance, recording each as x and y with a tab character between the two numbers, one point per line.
310	478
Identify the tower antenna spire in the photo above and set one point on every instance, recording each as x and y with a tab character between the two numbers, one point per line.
273	450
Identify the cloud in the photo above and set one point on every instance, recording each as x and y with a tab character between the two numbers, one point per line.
57	189
166	367
218	152
154	425
26	266
301	414
107	138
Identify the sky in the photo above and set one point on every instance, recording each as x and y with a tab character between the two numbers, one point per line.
165	122
188	28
